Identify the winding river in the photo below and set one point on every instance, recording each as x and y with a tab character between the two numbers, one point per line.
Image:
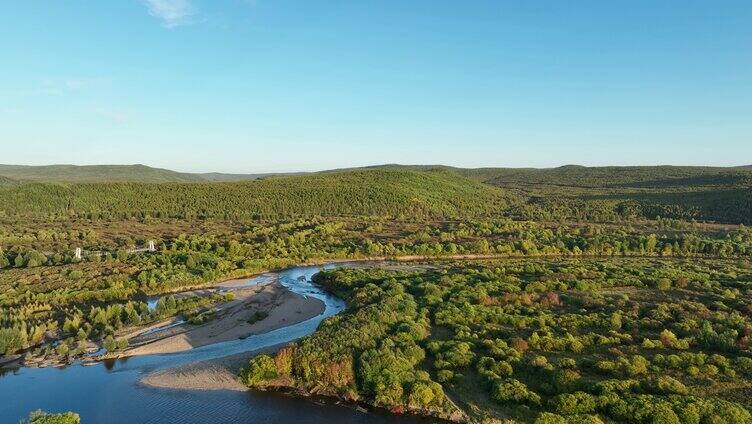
109	392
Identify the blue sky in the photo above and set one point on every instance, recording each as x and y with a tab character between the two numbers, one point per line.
281	85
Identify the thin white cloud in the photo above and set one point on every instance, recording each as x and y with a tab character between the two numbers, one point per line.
81	83
172	13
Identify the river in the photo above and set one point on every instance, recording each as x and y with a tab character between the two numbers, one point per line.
109	392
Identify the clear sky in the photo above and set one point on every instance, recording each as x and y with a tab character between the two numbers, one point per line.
282	85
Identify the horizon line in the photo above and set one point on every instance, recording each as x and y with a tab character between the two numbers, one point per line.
344	168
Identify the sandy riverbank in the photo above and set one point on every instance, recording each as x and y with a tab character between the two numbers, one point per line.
233	321
215	374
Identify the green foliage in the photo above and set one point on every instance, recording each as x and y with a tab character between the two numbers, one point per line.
657	327
672	195
258	316
261	369
549	418
111	344
664	297
573	356
39	417
365	192
12	340
198	318
574	403
618	193
511	390
94	173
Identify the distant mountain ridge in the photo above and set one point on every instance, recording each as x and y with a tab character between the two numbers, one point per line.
110	173
575	175
221	177
93	173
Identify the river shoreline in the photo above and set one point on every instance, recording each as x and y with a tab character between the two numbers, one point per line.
235	319
222	374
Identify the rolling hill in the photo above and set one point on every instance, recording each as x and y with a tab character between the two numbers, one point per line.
116	173
219	176
574	192
624	176
364	192
599	177
94	173
569	175
565	193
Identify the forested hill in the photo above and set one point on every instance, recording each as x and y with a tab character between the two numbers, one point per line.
700	193
570	175
374	192
600	177
219	176
581	193
115	173
623	176
94	173
570	193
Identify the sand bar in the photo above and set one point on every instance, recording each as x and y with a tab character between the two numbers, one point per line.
234	320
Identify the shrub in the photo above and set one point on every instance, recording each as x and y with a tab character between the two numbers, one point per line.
663	284
39	417
260	369
511	390
744	364
444	376
665	385
573	403
11	340
566	380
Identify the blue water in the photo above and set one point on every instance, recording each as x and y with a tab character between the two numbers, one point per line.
109	392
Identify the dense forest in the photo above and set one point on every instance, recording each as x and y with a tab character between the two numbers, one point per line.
93	173
550	341
568	193
620	192
382	193
17	174
688	193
